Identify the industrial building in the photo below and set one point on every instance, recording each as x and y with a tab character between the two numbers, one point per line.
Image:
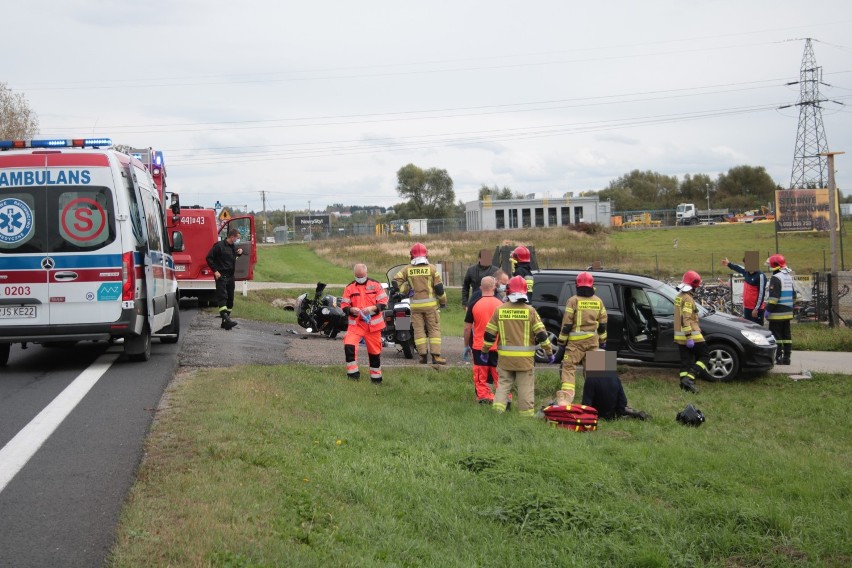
490	215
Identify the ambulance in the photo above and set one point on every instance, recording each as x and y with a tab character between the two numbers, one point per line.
84	252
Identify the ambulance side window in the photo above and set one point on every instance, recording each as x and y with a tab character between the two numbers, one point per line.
135	211
153	220
85	219
151	205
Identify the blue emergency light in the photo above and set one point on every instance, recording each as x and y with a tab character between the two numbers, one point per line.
56	143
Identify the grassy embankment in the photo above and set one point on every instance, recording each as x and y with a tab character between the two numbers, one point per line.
292	466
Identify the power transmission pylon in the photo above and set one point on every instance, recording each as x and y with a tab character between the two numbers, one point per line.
810	167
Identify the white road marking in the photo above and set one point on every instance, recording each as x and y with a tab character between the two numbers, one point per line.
15	455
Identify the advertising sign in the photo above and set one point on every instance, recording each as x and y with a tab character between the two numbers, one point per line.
801	210
309	224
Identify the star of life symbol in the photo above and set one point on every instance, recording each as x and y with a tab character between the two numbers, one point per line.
16	220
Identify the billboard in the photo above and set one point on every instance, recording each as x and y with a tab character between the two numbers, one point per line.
801	210
309	223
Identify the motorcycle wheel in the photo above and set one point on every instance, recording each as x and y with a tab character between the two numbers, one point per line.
407	349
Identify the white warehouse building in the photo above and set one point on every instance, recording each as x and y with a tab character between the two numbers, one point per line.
490	215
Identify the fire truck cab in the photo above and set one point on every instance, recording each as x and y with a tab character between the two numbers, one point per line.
199	229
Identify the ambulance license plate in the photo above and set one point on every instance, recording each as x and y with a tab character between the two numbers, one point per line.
9	312
180	268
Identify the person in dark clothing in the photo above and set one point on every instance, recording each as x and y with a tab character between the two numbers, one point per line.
755	291
522	258
606	395
474	276
222	259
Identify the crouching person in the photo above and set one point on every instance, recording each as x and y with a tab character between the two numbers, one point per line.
363	301
517	329
603	390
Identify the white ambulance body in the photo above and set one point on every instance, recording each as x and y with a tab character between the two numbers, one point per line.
84	253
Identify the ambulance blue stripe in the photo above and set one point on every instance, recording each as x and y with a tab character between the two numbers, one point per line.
19	262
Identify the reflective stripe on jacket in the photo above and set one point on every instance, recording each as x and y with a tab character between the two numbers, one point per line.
686	319
585	317
782	295
366	295
424	281
518	330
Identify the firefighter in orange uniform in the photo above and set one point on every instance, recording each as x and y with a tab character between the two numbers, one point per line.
687	333
583	329
516	328
423	280
363	301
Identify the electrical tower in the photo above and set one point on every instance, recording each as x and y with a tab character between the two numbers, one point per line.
810	169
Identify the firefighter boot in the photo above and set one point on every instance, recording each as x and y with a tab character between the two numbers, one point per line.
438	360
688	384
227	322
788	349
423	359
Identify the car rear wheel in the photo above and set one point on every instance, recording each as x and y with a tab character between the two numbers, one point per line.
724	363
4	353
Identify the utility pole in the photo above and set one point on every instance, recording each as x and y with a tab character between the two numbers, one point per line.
832	223
263	199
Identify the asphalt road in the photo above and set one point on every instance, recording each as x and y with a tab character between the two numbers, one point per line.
61	508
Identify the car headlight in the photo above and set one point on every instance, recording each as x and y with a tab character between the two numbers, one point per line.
756	338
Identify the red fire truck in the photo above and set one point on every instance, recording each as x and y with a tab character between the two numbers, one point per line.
201	228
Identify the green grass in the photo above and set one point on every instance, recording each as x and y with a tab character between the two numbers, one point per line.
650	251
295	466
299	264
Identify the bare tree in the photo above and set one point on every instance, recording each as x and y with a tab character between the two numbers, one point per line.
18	121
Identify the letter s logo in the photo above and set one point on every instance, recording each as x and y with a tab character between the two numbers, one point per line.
84	218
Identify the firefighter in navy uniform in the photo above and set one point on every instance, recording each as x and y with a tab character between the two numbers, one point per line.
423	280
522	258
363	301
694	355
517	329
222	259
779	307
583	329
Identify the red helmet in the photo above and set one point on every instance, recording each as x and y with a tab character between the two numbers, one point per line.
692	279
516	285
585	279
419	249
521	254
776	261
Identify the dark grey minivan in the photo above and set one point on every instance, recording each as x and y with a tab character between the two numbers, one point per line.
641	328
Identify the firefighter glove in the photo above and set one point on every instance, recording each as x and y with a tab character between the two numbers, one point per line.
766	314
603	346
690	343
483	358
559	355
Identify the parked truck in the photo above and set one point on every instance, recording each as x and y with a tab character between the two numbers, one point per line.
687	214
201	228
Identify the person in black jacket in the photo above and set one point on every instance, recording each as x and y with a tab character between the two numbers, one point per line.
222	259
475	274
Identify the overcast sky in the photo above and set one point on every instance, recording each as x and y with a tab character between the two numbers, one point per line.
323	102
